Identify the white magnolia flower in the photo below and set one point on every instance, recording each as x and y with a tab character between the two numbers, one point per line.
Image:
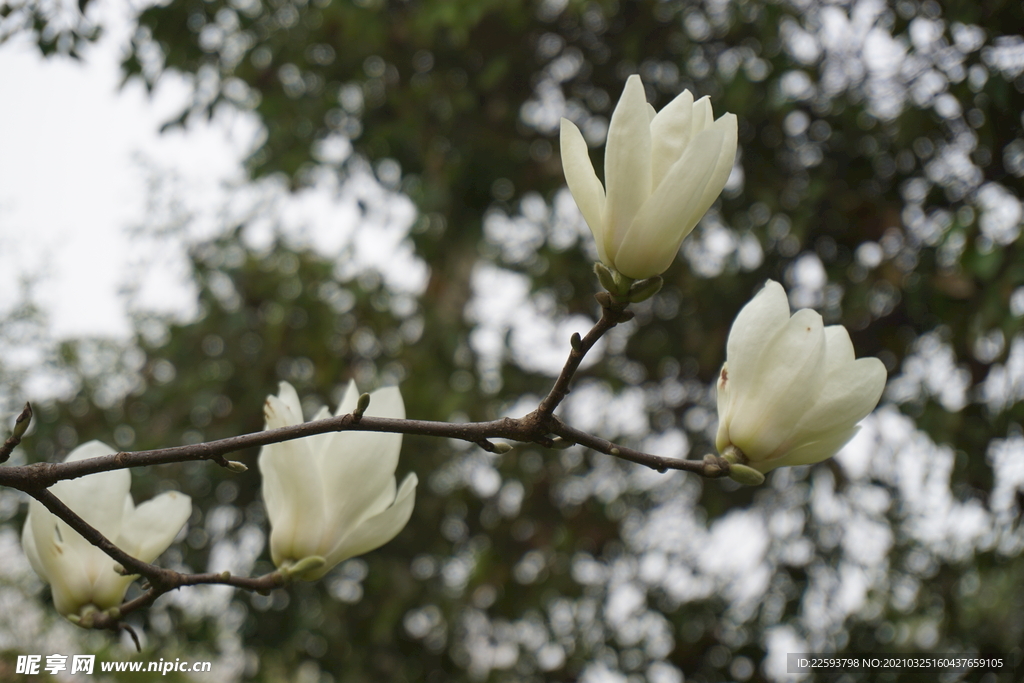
332	496
662	171
81	576
791	392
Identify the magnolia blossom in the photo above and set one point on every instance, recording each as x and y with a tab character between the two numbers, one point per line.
81	576
662	171
332	496
791	392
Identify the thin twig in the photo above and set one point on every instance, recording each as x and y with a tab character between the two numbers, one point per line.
610	317
655	462
20	427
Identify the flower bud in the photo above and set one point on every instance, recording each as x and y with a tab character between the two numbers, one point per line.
791	391
83	578
332	496
662	172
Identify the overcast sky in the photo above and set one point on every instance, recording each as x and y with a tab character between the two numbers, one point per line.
75	157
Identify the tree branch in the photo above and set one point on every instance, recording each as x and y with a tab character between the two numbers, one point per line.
160	580
540	427
611	315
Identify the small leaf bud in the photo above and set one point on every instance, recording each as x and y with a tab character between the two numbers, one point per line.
644	289
361	406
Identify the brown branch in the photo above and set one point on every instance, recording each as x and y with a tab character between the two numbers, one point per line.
131	565
160	580
532	428
540	427
611	315
42	475
711	466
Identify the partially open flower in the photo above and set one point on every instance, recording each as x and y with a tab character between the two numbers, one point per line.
791	391
662	172
81	576
332	496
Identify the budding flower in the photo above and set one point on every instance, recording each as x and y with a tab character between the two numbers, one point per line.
791	391
82	577
332	496
662	172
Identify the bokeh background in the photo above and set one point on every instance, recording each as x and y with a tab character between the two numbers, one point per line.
371	189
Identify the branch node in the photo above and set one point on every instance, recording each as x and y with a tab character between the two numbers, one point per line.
714	467
561	444
605	299
615	451
225	575
235	466
501	447
577	342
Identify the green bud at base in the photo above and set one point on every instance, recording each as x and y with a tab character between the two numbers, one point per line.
616	283
303	566
641	290
747	476
605	277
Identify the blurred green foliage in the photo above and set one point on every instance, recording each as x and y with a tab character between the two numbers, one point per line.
445	89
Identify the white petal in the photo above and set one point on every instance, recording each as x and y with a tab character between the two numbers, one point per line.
809	453
702	116
627	164
849	392
722	167
838	347
153	525
723	388
350	400
583	184
671	132
782	386
28	544
757	322
652	241
293	491
283	410
63	566
96	498
109	587
360	465
379	529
